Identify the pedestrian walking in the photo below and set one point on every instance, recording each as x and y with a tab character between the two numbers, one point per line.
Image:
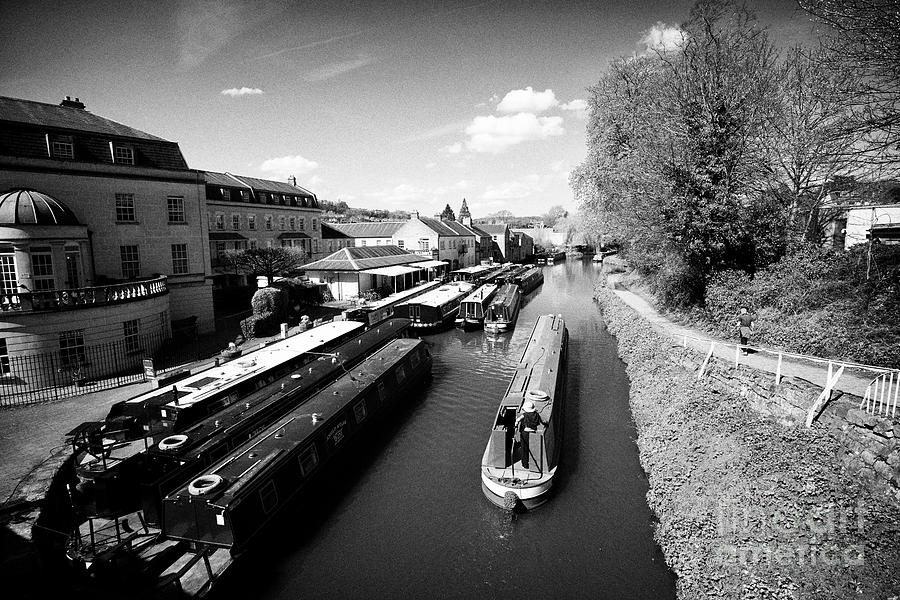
745	324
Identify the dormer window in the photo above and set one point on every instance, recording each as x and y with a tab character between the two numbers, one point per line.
62	146
123	155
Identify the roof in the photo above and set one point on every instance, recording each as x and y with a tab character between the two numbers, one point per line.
362	258
262	185
30	207
17	110
329	232
292	235
446	228
494	229
394	271
378	229
429	264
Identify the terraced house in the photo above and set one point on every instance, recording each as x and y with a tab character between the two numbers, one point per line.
246	212
102	234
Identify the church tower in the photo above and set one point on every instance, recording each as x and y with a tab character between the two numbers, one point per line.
465	217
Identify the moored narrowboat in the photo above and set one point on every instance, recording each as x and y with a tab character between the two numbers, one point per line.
172	408
472	308
112	488
436	308
502	312
523	450
375	312
472	274
529	280
220	512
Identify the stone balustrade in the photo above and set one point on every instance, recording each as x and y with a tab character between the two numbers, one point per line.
86	297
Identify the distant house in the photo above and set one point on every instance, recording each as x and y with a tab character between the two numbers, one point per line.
506	248
525	243
429	238
354	270
873	210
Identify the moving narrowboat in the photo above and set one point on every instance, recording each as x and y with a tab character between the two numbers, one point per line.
220	512
523	450
436	308
472	308
502	312
529	280
379	310
172	408
110	485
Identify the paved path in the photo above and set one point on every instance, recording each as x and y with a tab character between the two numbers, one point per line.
852	382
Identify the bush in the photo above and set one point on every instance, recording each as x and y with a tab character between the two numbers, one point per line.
260	325
269	300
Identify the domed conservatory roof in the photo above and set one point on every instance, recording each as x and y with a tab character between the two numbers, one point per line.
30	207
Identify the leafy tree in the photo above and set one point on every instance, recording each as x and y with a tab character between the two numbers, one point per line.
448	214
555	214
271	262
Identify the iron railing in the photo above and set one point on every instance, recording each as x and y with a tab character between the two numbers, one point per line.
85	297
54	375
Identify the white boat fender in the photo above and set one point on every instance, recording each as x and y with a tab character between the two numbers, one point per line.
173	442
537	395
205	484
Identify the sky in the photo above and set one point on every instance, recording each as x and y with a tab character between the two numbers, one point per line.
405	105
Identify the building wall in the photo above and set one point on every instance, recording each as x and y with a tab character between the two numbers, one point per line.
306	220
90	192
859	221
343	286
372	241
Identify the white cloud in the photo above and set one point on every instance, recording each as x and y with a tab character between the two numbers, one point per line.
285	166
430	165
663	38
242	91
339	68
527	100
577	106
314	180
453	148
496	134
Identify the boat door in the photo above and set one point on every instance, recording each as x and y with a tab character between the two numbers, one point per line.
415	311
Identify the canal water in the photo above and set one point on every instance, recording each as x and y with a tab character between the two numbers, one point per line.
407	517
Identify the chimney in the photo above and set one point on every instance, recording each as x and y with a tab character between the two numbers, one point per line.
292	180
76	103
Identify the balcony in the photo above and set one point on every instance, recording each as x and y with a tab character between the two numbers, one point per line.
86	297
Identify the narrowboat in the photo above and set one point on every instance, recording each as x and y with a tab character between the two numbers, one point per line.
472	274
499	275
472	308
172	408
221	511
436	308
529	280
110	484
502	312
376	312
518	470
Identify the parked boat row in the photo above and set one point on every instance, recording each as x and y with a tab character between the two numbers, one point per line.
523	450
379	310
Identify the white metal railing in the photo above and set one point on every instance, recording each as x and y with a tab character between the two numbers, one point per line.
889	390
882	394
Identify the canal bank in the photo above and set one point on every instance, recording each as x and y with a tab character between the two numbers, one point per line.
748	507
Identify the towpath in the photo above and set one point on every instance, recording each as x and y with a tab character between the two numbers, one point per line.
852	381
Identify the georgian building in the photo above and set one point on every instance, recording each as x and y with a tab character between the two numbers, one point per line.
246	212
102	232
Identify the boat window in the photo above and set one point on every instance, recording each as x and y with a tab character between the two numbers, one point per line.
268	497
309	458
359	411
401	374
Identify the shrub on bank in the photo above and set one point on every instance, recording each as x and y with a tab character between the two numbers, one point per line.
260	325
817	301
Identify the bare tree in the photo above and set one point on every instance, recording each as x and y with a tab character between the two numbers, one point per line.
271	262
865	36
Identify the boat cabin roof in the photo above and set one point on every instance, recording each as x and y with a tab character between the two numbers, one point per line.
443	294
481	294
200	385
400	296
507	295
539	367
